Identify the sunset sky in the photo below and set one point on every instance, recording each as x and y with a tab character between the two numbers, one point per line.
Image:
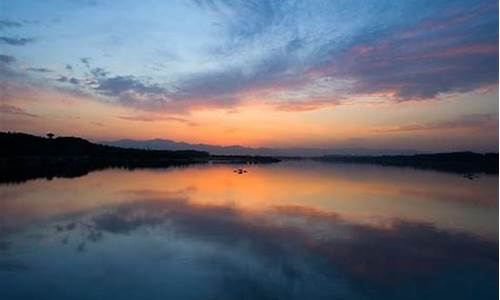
419	75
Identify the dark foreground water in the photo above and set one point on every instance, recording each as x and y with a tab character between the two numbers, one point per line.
293	230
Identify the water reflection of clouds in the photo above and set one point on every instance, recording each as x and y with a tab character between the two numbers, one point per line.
346	233
447	201
229	252
158	193
396	251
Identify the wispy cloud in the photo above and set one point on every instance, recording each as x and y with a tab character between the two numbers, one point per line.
71	80
14	110
308	105
40	70
9	24
85	61
455	54
297	56
7	59
472	121
16	41
118	85
149	118
446	53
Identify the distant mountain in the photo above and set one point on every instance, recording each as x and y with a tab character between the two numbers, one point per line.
163	144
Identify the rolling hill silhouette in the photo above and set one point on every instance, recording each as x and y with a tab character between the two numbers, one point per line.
24	156
165	144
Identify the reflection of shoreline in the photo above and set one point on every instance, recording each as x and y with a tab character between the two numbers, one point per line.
22	169
459	162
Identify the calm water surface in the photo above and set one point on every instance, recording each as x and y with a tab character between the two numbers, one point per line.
293	230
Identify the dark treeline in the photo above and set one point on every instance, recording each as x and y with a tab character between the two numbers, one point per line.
456	162
24	156
20	144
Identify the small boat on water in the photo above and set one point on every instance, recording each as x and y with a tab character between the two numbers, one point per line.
470	176
239	171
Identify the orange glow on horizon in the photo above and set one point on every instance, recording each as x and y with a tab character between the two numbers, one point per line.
254	122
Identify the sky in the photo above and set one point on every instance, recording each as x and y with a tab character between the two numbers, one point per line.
414	75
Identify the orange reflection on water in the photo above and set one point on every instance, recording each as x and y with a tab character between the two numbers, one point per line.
365	194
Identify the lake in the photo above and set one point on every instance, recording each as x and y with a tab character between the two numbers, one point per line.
290	230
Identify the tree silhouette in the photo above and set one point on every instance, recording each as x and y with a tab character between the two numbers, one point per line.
50	135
